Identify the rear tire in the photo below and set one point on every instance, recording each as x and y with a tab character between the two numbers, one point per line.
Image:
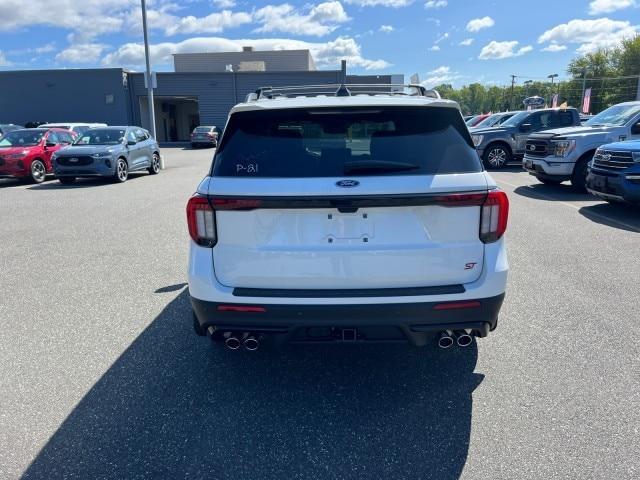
496	156
122	171
38	171
154	169
67	180
579	176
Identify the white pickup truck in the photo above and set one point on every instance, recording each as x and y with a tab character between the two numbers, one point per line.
555	156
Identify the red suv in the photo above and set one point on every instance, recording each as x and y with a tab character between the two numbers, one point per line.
26	154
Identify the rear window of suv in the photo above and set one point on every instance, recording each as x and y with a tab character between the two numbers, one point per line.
333	142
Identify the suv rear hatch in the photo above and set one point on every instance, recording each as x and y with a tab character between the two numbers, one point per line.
347	198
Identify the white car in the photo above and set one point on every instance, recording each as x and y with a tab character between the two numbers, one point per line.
361	217
76	127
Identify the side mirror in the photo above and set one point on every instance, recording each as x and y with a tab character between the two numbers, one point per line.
50	144
635	129
131	142
525	127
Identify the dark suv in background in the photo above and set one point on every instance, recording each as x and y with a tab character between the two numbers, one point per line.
497	146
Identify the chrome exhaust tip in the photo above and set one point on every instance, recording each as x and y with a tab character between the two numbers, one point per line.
232	342
445	340
463	339
251	343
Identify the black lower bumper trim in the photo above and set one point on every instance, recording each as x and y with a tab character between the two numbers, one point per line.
347	293
414	322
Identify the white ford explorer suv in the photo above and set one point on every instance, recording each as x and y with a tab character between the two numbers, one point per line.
358	215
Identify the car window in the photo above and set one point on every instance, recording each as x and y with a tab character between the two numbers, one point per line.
565	119
131	136
141	136
53	138
22	138
65	137
80	129
330	142
101	136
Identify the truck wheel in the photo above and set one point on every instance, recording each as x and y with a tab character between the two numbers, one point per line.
579	176
496	156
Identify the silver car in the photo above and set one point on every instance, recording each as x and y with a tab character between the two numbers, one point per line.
111	152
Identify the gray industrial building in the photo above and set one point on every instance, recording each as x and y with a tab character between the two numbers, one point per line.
183	99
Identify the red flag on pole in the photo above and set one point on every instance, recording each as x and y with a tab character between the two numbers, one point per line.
586	101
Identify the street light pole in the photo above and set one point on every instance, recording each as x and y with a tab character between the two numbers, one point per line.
152	113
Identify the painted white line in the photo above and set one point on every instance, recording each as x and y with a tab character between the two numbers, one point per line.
575	207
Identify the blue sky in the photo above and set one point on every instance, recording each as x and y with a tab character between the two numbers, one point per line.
453	41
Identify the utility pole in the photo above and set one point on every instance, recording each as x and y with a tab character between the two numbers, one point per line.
152	113
513	83
552	76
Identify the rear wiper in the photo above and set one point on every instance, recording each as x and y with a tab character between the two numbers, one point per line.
377	166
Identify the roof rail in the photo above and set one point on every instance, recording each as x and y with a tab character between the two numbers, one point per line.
342	90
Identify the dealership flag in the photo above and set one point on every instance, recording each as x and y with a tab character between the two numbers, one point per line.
586	101
554	102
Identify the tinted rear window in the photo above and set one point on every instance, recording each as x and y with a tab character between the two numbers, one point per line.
330	142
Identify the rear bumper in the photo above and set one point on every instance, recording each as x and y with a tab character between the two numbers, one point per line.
413	322
615	186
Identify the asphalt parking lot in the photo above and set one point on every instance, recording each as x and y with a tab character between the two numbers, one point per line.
101	375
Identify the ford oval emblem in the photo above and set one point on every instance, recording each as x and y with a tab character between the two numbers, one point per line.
347	183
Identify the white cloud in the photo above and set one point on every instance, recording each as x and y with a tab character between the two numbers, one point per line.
47	48
81	53
478	24
435	4
554	47
499	50
435	48
213	23
320	20
92	18
326	54
440	75
224	3
381	3
590	34
466	42
3	60
441	38
386	28
596	7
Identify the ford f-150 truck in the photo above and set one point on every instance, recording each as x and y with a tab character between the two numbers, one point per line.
497	146
564	154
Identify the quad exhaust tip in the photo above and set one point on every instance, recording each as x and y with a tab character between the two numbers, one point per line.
463	339
251	343
445	340
232	342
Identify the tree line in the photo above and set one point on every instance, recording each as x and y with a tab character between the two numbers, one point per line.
612	74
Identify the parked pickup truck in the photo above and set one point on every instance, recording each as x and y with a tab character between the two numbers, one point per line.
614	172
564	154
498	146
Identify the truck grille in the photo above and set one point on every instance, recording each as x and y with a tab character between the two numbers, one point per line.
537	148
80	161
612	160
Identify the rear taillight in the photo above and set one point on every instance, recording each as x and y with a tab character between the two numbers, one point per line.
235	203
494	215
202	221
